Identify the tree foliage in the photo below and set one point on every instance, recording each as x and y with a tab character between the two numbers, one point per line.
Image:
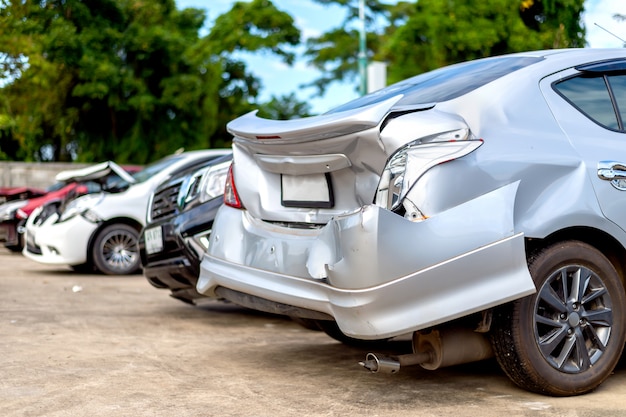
335	53
443	32
133	80
128	80
284	108
418	36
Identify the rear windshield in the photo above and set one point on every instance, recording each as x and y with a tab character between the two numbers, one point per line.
444	83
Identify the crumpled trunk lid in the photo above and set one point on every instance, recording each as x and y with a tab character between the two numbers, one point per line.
303	172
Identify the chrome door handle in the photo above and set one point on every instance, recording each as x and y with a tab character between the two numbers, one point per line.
611	170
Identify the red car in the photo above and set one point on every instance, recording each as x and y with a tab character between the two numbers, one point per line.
13	214
20	193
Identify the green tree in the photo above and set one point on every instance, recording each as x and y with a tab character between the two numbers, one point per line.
335	53
444	32
284	108
413	37
256	26
128	80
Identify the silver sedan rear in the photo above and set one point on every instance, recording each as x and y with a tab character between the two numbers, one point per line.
481	204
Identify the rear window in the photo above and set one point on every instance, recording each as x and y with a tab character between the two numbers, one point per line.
599	97
444	83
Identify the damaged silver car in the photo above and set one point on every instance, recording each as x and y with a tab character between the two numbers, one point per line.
480	207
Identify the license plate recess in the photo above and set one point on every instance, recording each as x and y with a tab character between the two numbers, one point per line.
307	191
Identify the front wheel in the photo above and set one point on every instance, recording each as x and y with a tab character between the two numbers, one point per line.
567	337
115	250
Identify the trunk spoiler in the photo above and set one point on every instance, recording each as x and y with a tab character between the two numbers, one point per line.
328	125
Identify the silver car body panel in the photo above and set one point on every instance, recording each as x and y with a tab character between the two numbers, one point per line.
309	129
380	274
606	146
358	271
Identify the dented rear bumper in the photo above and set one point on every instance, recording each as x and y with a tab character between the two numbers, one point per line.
377	274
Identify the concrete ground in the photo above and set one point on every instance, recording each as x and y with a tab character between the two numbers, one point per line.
92	345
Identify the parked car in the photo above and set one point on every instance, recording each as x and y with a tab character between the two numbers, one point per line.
179	220
8	223
13	214
14	199
20	193
99	231
480	207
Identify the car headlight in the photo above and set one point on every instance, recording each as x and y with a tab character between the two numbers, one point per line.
21	214
212	183
8	210
409	163
204	184
190	188
82	206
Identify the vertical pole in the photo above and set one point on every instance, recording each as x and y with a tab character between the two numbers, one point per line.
362	50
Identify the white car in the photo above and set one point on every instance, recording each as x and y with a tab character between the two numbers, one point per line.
99	231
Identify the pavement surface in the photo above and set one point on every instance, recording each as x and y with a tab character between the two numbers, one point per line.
92	345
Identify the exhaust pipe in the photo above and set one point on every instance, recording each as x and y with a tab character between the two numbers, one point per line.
433	350
392	364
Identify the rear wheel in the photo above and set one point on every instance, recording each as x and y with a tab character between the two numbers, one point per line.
115	250
567	337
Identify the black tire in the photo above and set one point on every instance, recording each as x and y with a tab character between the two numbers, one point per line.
331	329
19	246
86	268
14	248
115	250
567	338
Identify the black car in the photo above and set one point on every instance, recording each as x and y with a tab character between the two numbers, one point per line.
179	220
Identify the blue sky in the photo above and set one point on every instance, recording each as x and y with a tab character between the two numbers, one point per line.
313	19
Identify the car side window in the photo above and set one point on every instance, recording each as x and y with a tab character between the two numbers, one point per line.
591	96
618	86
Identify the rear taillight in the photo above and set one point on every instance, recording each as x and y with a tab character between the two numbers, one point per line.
406	167
231	198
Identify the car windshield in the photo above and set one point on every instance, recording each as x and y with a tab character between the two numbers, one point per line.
445	83
154	168
55	186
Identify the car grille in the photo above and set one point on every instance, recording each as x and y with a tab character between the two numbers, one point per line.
164	202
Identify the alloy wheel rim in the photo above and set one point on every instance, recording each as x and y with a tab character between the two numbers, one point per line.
119	251
573	319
